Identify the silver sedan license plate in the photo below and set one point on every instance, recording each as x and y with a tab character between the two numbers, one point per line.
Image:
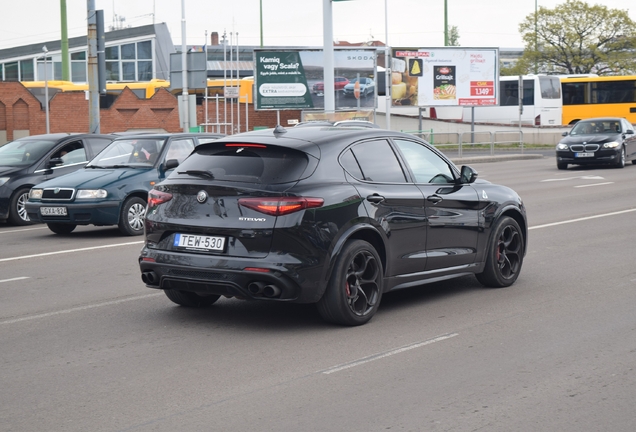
53	211
584	154
199	242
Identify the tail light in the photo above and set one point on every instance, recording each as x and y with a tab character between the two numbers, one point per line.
537	120
156	197
433	113
280	206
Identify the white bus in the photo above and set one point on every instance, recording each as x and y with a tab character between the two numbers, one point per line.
542	104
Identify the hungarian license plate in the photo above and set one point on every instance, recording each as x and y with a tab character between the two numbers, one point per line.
53	211
199	242
584	154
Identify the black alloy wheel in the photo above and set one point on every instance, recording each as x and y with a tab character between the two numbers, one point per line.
504	255
620	163
355	288
17	211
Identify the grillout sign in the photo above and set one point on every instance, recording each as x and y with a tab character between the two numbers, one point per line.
445	76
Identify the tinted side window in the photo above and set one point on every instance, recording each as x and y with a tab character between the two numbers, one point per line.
509	93
97	144
71	153
180	149
427	167
350	163
378	162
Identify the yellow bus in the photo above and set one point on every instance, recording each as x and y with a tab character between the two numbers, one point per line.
143	89
217	86
146	89
598	96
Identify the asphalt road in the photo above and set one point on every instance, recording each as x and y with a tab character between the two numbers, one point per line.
86	347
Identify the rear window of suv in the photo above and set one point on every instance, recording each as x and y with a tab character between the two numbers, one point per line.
248	163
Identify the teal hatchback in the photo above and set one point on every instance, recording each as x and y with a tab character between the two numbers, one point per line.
112	189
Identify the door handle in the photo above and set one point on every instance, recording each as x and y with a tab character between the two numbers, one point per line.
375	198
434	199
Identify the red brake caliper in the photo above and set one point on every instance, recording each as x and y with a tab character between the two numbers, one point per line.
347	289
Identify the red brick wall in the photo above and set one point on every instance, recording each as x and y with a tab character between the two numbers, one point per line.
68	112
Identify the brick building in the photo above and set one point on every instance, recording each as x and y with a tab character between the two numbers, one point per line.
22	114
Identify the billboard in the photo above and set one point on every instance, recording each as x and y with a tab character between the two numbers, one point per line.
444	76
294	79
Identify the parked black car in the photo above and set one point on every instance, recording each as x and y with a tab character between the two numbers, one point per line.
31	160
113	187
333	216
607	140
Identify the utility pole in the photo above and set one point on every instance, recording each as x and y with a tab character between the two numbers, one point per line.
328	62
93	75
66	74
445	22
261	4
184	72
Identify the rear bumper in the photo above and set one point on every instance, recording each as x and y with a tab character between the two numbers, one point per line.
276	277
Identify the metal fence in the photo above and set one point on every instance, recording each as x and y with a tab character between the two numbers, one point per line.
475	142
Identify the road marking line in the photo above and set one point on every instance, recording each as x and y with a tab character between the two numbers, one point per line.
69	251
15	279
582	219
595	184
77	309
20	230
373	357
590	177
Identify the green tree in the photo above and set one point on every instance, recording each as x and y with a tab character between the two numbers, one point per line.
576	38
453	36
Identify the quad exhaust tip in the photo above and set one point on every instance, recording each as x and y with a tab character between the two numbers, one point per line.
149	278
263	289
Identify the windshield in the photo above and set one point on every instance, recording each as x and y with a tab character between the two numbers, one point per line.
24	152
596	127
128	152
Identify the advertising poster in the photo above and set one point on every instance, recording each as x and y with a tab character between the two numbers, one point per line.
294	79
444	76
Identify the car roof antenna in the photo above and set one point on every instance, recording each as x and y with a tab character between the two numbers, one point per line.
279	130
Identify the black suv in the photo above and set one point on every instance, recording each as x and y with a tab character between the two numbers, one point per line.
329	215
28	161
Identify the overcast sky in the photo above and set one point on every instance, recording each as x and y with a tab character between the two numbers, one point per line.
411	23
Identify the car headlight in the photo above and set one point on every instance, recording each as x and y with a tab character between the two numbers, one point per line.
562	147
612	144
3	180
91	193
35	194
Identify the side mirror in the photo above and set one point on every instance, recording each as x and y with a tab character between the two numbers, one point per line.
629	131
468	175
564	134
54	162
171	164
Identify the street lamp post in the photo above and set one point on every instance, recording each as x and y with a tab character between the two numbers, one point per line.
46	88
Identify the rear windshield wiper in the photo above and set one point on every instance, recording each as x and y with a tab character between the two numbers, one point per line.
198	173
